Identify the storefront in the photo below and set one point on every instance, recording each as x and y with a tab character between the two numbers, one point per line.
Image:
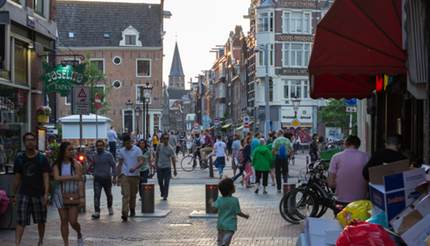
26	40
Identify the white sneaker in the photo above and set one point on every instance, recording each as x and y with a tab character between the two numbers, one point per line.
110	211
81	241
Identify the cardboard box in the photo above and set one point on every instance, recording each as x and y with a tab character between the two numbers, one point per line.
418	234
376	174
411	215
397	192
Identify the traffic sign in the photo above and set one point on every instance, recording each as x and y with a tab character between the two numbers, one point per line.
350	102
81	100
351	109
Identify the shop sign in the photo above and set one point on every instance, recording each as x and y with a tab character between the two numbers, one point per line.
294	38
61	79
301	4
292	71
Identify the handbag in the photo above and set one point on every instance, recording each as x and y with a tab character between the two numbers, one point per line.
70	198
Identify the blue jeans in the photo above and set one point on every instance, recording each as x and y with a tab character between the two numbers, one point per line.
220	164
163	176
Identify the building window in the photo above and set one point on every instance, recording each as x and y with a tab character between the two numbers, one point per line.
68	99
116	84
39	6
305	89
99	63
21	62
296	89
117	60
71	35
130	37
128	120
270	90
271	55
286	89
265	22
296	54
130	40
101	90
143	68
297	22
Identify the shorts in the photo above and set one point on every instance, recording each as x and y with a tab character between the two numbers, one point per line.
30	205
224	237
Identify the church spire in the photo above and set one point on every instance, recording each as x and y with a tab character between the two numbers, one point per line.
176	76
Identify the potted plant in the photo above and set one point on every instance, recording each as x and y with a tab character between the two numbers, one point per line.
42	114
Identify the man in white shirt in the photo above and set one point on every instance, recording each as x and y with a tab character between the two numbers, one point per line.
112	139
219	149
130	159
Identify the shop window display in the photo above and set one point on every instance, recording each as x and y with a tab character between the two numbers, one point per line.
13	123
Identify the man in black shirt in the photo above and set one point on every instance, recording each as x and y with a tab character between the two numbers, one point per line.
31	187
391	153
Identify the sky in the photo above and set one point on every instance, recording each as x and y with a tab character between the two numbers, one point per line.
198	26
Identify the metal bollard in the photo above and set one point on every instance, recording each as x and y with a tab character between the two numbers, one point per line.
289	187
211	168
148	198
211	196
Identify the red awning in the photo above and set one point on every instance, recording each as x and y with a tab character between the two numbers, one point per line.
356	40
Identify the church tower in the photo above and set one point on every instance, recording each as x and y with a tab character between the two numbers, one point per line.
176	76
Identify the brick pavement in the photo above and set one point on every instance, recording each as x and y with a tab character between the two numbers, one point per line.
265	226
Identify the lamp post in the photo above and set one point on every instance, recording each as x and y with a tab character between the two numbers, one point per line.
147	90
129	106
265	49
138	110
296	104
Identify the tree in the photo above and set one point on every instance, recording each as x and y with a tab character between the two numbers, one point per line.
93	75
335	115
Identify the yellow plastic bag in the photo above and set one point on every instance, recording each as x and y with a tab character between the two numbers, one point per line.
358	210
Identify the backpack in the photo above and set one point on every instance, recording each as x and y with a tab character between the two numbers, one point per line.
282	152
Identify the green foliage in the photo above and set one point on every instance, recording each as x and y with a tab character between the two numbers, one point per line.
94	77
335	115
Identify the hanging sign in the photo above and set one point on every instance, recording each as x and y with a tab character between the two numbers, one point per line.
61	79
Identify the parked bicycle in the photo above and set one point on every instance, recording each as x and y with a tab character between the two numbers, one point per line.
311	198
189	161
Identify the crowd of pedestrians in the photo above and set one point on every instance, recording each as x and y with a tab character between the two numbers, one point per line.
59	180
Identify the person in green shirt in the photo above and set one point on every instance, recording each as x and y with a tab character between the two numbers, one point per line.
228	210
282	148
262	163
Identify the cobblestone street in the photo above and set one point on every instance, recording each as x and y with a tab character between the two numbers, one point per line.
264	227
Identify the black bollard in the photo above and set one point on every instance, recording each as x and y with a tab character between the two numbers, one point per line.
211	196
147	198
211	167
289	187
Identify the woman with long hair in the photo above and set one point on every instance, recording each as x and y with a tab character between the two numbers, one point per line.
145	168
68	172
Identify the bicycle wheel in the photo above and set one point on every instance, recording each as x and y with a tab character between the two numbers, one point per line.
284	209
304	203
187	163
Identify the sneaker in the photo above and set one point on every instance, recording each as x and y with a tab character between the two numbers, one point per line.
132	213
256	191
96	215
264	191
124	218
165	198
110	211
81	241
279	191
273	184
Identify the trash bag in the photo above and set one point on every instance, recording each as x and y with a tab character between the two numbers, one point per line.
379	219
358	210
364	234
4	202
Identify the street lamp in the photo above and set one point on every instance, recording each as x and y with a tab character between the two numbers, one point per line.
265	49
129	106
147	90
296	104
138	110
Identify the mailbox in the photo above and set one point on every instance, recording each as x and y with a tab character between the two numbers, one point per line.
147	198
211	196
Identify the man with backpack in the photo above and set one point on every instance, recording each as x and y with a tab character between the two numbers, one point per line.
31	188
281	150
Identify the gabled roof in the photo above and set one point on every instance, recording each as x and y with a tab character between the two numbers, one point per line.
100	24
176	68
